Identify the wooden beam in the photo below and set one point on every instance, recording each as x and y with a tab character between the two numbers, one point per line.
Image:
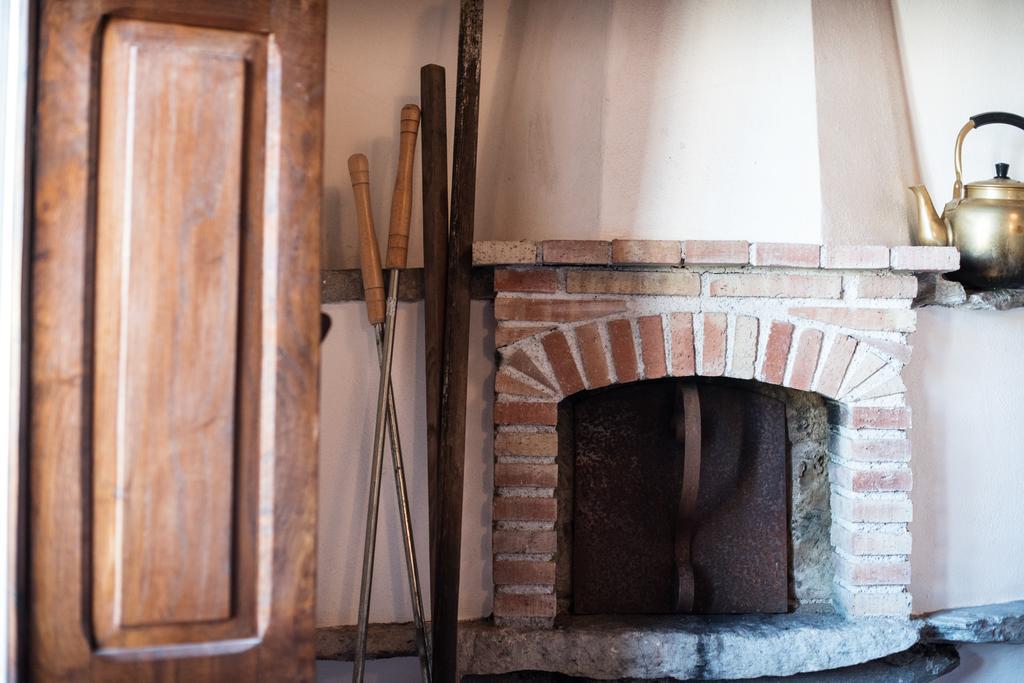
345	285
455	364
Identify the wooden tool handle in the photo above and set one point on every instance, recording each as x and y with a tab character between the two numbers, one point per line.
369	253
401	200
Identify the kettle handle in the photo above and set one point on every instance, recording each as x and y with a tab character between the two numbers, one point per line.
977	121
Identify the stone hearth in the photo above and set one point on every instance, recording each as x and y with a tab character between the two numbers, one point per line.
574	316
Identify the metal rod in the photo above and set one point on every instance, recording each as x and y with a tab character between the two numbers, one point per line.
373	505
409	545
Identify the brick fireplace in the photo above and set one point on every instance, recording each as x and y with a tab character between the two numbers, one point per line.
576	316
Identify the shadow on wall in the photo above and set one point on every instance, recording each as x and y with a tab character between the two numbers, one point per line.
967	436
542	119
603	119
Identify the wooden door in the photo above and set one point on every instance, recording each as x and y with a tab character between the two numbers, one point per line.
174	340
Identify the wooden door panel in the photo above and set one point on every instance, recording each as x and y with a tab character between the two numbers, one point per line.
175	299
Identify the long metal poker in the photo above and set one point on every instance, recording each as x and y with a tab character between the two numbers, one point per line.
397	255
373	292
386	414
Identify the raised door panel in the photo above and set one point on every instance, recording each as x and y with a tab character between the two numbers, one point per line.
174	464
174	348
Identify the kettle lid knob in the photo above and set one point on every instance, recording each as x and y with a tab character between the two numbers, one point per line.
1002	171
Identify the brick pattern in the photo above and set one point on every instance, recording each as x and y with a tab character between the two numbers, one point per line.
776	285
647	252
652	345
854	257
714	345
785	254
620	336
683	354
595	360
532	280
564	329
925	259
674	283
590	252
716	252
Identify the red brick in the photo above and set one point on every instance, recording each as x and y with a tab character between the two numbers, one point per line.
776	352
673	283
490	253
505	383
871	541
520	474
683	354
785	254
898	351
876	480
519	360
882	319
869	450
925	259
714	342
893	508
520	509
562	363
805	362
882	286
652	346
595	362
523	413
523	541
620	337
508	334
524	573
532	280
521	605
869	603
873	573
554	310
864	417
662	252
744	347
854	256
590	252
533	444
774	285
839	357
716	252
683	350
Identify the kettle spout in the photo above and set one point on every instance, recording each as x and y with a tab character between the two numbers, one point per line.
931	230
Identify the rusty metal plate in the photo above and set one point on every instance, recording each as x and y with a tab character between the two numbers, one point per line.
627	483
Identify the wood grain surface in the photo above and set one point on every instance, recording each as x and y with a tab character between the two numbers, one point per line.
174	359
452	453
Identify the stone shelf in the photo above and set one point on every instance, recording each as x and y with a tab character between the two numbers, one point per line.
998	623
936	290
685	647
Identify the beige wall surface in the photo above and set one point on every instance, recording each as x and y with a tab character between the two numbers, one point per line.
598	119
685	119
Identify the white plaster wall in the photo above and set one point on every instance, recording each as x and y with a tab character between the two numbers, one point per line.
598	118
967	377
684	120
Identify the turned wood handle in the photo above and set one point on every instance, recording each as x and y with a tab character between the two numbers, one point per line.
401	200
369	253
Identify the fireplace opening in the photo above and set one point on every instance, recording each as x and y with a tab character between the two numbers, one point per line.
704	496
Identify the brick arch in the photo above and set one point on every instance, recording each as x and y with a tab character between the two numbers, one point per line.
868	450
555	362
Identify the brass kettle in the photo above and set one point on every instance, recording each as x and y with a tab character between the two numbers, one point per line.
984	220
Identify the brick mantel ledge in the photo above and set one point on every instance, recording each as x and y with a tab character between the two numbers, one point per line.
622	252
